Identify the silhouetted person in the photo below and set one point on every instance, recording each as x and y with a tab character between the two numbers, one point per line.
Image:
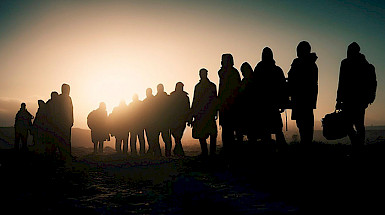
66	120
303	90
180	110
249	106
356	90
229	83
118	121
22	125
40	126
204	112
97	122
149	114
162	118
272	95
135	113
52	124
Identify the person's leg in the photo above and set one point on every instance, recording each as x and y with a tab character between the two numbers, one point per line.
227	139
17	140
156	144
118	145
101	146
141	142
280	139
305	126
213	144
203	144
24	139
359	124
133	137
125	145
95	146
177	134
166	136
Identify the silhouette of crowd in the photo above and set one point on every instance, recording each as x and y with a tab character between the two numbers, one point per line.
250	107
51	128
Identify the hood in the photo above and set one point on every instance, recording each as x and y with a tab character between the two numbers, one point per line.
312	57
357	57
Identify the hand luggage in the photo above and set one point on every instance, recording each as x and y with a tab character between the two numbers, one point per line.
334	125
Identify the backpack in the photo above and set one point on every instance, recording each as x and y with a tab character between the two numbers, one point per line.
91	119
372	84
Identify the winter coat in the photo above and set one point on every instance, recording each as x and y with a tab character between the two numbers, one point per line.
229	83
204	109
357	82
303	82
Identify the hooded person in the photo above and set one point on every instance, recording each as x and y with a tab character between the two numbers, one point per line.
40	124
247	104
97	122
229	83
180	109
272	95
303	90
22	125
356	90
52	125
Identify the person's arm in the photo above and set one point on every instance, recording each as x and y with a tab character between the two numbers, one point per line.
341	87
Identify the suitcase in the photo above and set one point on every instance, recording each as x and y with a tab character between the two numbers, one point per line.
334	125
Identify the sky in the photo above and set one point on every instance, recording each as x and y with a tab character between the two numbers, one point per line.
109	50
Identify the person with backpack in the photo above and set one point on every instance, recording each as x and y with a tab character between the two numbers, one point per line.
118	125
357	86
97	122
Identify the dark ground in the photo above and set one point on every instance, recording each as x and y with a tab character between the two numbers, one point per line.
323	179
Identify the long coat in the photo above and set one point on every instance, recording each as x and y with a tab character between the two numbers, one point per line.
303	84
204	109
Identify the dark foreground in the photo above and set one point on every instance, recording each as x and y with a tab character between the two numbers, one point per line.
321	179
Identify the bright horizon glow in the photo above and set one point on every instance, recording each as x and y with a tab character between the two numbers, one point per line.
108	51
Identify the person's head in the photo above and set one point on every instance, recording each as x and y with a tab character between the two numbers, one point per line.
353	49
160	88
102	106
227	60
135	97
23	106
179	87
203	73
267	54
65	89
122	103
40	102
303	49
148	92
54	95
246	70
